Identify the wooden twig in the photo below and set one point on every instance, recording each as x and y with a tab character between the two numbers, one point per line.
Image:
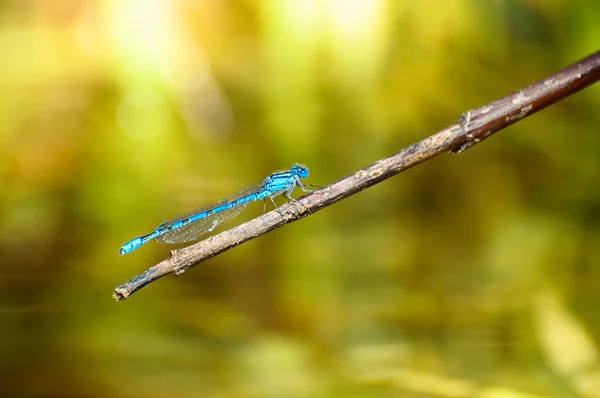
473	127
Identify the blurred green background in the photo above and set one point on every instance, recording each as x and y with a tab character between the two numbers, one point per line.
472	275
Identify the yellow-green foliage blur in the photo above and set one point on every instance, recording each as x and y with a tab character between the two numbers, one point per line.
472	275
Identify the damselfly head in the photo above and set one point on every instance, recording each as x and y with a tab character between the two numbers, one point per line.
300	169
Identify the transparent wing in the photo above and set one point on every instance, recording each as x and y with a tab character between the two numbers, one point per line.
194	230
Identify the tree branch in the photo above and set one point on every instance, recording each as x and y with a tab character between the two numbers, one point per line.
473	127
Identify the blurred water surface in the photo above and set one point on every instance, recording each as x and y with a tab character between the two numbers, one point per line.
473	275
